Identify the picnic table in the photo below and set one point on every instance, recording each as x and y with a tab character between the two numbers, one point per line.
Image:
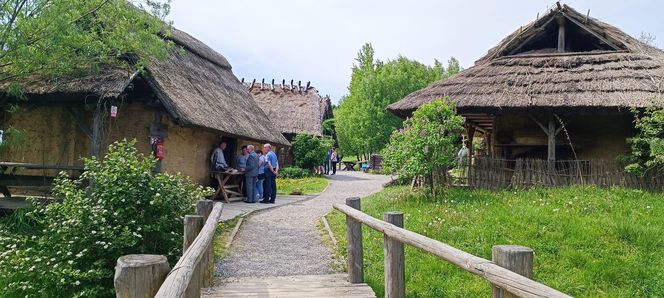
350	165
229	184
10	178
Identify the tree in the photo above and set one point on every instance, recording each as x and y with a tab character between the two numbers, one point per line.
310	151
647	147
427	142
363	126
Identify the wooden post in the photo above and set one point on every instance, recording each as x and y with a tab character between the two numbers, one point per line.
551	133
561	34
140	275
395	281
354	247
97	130
204	208
193	224
518	259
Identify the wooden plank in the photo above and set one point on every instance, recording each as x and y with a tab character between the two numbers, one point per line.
508	280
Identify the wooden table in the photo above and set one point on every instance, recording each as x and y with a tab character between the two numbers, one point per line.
8	176
224	186
349	165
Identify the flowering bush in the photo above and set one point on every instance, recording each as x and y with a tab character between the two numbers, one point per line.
76	240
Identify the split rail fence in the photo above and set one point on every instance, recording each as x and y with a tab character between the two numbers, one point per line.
505	173
151	276
509	272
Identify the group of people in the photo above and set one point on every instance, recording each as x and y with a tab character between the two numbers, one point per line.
332	158
260	168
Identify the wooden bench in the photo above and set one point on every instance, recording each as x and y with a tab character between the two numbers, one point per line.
10	178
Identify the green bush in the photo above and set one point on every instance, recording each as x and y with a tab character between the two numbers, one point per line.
76	240
310	151
294	173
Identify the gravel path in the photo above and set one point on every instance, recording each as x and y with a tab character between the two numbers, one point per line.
285	241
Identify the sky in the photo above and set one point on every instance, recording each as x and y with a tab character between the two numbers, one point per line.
318	40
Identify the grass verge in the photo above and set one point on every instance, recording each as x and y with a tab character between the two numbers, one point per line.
221	237
301	186
588	242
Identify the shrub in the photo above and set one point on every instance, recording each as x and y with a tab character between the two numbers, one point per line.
310	151
77	239
647	147
294	173
426	143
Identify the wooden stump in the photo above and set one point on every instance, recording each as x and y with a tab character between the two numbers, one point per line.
140	275
518	259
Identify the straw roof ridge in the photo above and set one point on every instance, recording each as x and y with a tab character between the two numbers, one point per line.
294	109
630	76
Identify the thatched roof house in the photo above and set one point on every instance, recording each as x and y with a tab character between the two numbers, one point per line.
190	99
565	67
293	108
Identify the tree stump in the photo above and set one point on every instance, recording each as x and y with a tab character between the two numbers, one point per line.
139	276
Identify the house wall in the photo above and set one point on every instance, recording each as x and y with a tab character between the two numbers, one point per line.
52	137
594	136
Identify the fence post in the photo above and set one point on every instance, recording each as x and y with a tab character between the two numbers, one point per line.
395	282
140	275
204	208
518	259
354	247
192	226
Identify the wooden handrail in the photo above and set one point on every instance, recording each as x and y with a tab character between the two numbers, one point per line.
499	276
179	278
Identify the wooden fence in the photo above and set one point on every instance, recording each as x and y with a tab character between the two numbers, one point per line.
150	275
509	272
504	173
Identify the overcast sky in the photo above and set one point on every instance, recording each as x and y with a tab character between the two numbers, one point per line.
318	40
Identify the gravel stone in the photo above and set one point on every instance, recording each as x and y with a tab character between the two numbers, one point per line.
285	241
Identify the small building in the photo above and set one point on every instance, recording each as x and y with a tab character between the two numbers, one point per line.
558	88
294	109
188	102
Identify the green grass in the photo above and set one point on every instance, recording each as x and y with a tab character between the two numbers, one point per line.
588	242
221	234
301	186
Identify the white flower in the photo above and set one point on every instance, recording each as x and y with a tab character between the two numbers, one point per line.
77	283
79	255
70	262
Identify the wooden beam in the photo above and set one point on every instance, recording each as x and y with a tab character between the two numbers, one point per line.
544	129
552	140
97	130
561	34
584	27
533	35
79	123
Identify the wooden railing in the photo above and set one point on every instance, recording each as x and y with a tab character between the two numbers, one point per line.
150	275
509	273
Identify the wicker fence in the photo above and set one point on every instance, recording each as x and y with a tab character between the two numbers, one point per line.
504	173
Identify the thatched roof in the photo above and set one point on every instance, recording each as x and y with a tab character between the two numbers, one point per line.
602	67
294	108
194	83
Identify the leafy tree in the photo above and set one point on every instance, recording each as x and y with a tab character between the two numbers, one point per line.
76	239
427	142
310	151
363	126
647	147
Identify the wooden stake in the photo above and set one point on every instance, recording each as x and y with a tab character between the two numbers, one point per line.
193	224
395	280
140	275
204	208
354	247
517	259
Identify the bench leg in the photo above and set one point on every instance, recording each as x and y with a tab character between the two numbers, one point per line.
5	191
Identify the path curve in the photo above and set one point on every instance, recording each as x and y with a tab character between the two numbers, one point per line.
285	241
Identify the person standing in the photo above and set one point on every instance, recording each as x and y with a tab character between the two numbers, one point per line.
271	172
242	159
261	174
334	159
327	162
250	174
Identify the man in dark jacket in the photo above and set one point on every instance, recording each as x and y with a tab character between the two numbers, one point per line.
250	175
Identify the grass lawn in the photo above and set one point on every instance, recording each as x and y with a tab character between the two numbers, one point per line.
301	186
588	242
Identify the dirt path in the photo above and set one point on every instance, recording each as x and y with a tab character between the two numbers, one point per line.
285	241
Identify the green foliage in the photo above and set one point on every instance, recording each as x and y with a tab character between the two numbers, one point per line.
588	241
301	186
647	147
310	151
59	38
77	238
363	126
427	141
294	173
12	137
329	127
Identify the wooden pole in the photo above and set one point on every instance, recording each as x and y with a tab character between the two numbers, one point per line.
193	224
551	134
97	130
561	34
354	247
204	208
140	275
395	281
517	259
